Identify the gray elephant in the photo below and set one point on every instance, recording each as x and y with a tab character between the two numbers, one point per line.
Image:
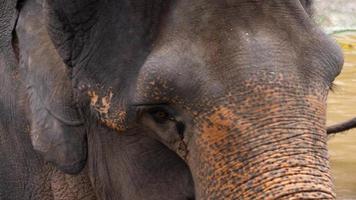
23	173
179	99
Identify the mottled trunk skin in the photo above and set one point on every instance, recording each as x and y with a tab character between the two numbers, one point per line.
272	149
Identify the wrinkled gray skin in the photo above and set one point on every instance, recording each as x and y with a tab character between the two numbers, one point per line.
24	174
180	99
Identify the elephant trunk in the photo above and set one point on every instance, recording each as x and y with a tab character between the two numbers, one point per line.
271	173
274	152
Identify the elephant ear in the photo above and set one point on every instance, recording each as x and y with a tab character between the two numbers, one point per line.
105	43
57	130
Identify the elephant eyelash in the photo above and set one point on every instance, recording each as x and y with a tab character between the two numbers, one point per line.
159	112
152	109
161	115
148	104
141	108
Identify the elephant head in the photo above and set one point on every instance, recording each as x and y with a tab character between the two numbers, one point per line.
229	94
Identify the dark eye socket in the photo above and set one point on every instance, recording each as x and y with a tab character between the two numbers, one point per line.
160	115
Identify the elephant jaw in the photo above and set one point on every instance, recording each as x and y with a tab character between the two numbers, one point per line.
109	116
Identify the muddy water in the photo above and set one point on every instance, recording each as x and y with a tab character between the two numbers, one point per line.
342	106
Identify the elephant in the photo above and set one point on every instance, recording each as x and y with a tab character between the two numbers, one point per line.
179	99
24	174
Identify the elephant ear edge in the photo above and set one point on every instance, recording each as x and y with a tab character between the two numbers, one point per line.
57	130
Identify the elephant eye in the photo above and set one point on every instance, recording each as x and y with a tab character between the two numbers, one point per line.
160	115
164	118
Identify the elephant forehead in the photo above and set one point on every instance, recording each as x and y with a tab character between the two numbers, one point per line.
169	80
251	94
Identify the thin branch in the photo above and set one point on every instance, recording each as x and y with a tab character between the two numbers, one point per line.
344	126
342	31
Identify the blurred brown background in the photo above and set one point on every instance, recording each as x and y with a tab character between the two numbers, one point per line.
338	18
